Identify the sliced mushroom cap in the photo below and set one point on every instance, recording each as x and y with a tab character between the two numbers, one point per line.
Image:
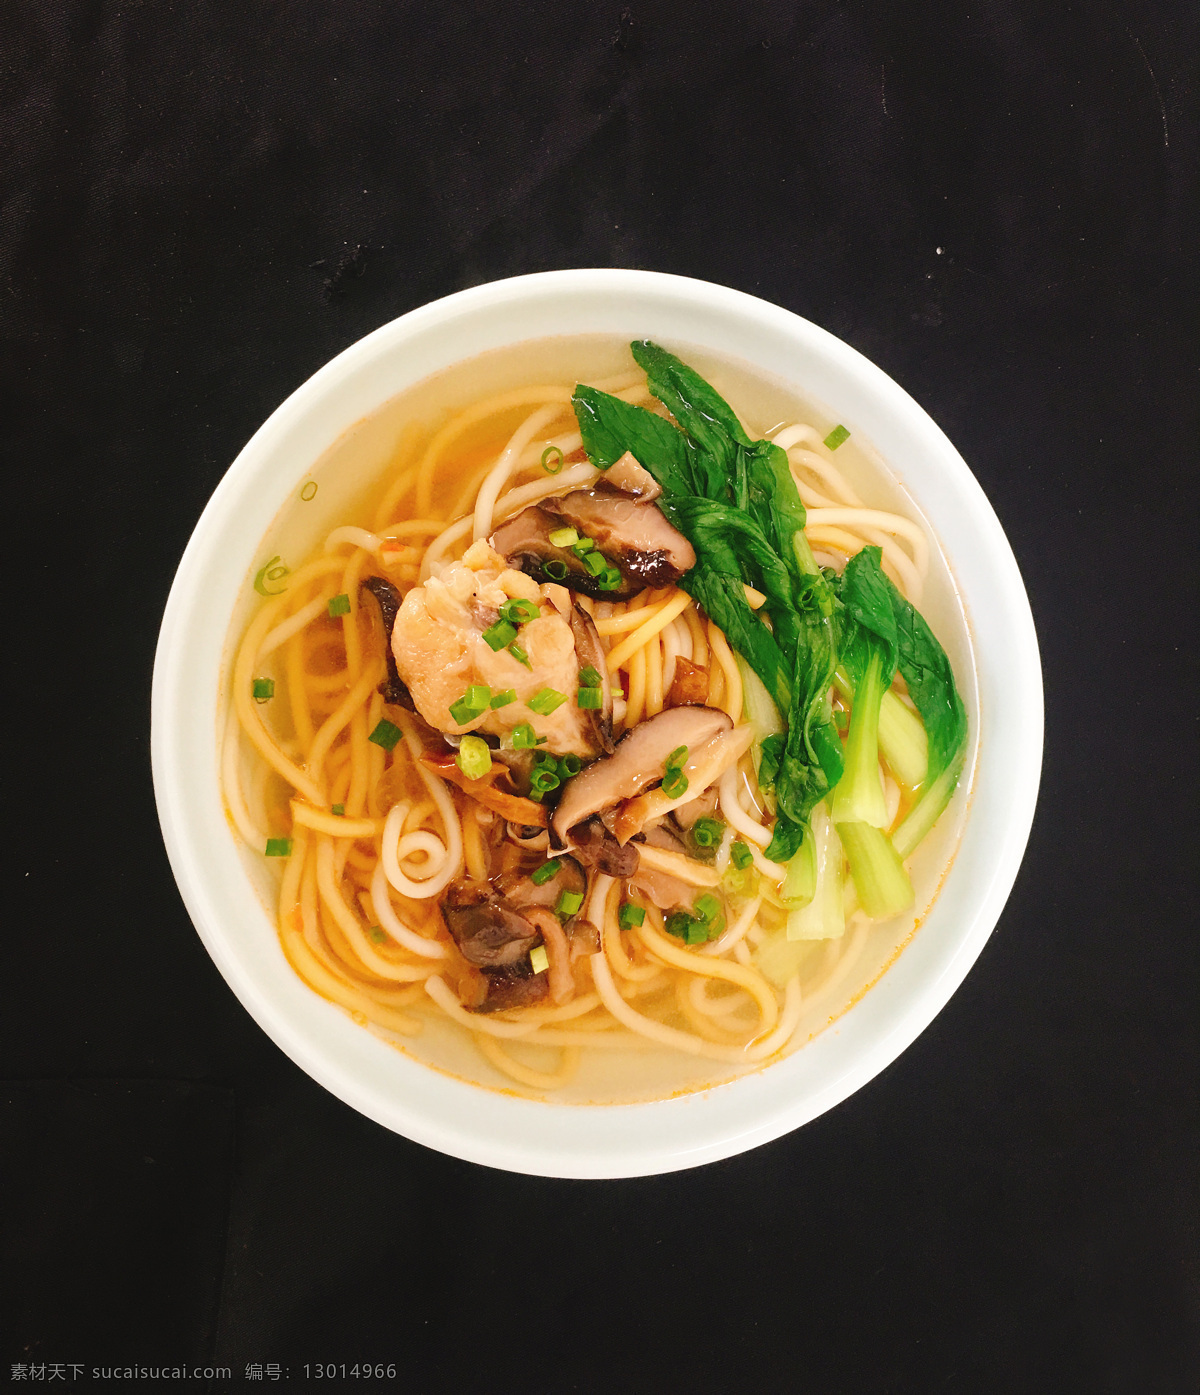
639	760
524	541
596	846
522	893
513	986
635	535
388	599
590	653
487	929
632	533
705	765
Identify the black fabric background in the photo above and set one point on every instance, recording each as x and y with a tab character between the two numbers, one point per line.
203	202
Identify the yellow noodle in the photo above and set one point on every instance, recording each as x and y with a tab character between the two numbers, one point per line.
654	676
732	697
750	979
304	815
663	615
526	1075
339	718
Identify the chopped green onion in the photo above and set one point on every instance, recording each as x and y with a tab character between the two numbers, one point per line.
539	960
339	810
583	546
502	633
536	795
589	677
552	460
564	537
523	737
546	700
610	580
503	699
837	436
678	924
675	785
520	655
541	875
677	757
386	734
377	935
630	915
741	856
706	833
544	780
465	709
697	932
474	757
595	563
568	903
270	572
518	611
339	605
591	699
279	847
707	906
569	766
555	570
262	689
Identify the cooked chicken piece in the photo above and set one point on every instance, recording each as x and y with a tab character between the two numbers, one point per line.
440	651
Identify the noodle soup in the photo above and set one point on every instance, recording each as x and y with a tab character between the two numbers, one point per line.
401	769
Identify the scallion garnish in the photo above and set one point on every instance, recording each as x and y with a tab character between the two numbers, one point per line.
502	633
546	700
465	709
589	677
837	436
678	923
590	699
544	779
279	847
630	915
269	572
569	766
706	833
706	906
503	699
552	460
386	734
677	757
595	563
519	611
339	605
741	856
377	935
568	903
564	537
474	757
262	689
609	580
675	785
524	738
520	655
539	960
555	570
338	809
548	870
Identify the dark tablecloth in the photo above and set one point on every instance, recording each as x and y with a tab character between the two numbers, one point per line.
996	202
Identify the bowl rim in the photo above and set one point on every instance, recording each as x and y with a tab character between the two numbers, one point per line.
603	1140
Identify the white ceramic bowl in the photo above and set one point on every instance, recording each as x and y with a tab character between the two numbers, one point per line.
430	1106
